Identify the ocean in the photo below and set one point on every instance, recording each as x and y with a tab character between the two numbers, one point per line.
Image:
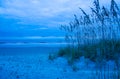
30	45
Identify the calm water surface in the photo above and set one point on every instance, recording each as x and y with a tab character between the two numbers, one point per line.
30	45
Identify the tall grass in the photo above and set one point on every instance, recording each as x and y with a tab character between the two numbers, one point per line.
98	32
96	36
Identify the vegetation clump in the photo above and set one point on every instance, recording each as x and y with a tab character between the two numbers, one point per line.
93	51
94	35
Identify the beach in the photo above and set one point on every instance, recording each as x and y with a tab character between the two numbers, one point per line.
36	65
30	60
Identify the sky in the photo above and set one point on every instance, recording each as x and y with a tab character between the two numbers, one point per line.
39	17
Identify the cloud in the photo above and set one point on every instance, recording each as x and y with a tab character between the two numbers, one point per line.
43	12
40	11
41	28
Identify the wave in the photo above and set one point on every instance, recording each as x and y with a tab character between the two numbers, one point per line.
22	44
34	37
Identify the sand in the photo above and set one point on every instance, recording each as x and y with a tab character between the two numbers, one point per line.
39	67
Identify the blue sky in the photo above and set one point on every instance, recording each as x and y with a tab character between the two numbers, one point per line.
30	17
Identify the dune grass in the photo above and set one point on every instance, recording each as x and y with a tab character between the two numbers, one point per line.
103	50
96	36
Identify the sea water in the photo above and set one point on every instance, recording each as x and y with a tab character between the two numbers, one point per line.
30	45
